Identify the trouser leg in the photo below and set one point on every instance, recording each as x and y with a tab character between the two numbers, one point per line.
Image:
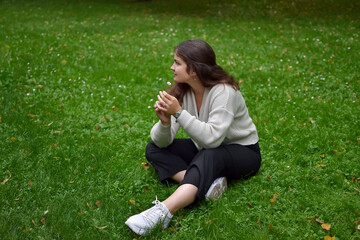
172	159
233	161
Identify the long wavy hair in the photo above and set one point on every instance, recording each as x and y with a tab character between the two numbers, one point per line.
200	57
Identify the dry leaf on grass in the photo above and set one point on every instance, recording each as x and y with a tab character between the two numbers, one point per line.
329	238
326	226
99	204
7	179
271	227
273	199
100	227
210	221
146	165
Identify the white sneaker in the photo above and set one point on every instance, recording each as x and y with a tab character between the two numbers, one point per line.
217	188
145	221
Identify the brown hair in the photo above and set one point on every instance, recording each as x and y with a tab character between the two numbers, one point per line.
200	57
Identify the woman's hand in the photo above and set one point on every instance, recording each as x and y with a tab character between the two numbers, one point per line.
166	106
168	103
164	117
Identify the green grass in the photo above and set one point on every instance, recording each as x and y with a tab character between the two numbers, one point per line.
78	81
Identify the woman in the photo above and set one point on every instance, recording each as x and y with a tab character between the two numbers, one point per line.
206	102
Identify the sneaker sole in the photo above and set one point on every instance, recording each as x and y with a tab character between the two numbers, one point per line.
135	229
218	190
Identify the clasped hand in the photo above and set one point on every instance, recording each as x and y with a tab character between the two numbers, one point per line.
166	106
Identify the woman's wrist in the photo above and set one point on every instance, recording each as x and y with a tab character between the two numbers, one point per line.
165	124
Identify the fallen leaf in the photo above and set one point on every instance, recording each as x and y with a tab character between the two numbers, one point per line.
358	180
88	204
146	165
288	95
114	108
357	223
171	229
312	218
329	238
99	203
275	138
326	226
100	227
43	221
320	165
33	221
57	132
210	221
132	202
273	199
271	227
250	205
7	179
322	155
319	221
30	183
27	229
258	220
12	139
32	115
81	212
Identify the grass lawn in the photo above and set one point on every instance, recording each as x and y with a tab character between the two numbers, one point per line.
78	80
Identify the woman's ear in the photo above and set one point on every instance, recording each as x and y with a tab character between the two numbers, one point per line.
193	74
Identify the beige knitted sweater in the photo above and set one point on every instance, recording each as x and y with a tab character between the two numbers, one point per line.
223	119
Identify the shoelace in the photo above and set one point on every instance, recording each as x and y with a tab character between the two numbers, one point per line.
156	201
151	215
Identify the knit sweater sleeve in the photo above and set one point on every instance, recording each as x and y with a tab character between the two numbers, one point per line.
211	133
162	135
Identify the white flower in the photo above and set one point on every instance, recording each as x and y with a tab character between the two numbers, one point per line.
168	83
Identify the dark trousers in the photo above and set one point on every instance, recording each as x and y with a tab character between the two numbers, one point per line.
202	167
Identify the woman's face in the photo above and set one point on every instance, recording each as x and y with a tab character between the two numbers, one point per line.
179	69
